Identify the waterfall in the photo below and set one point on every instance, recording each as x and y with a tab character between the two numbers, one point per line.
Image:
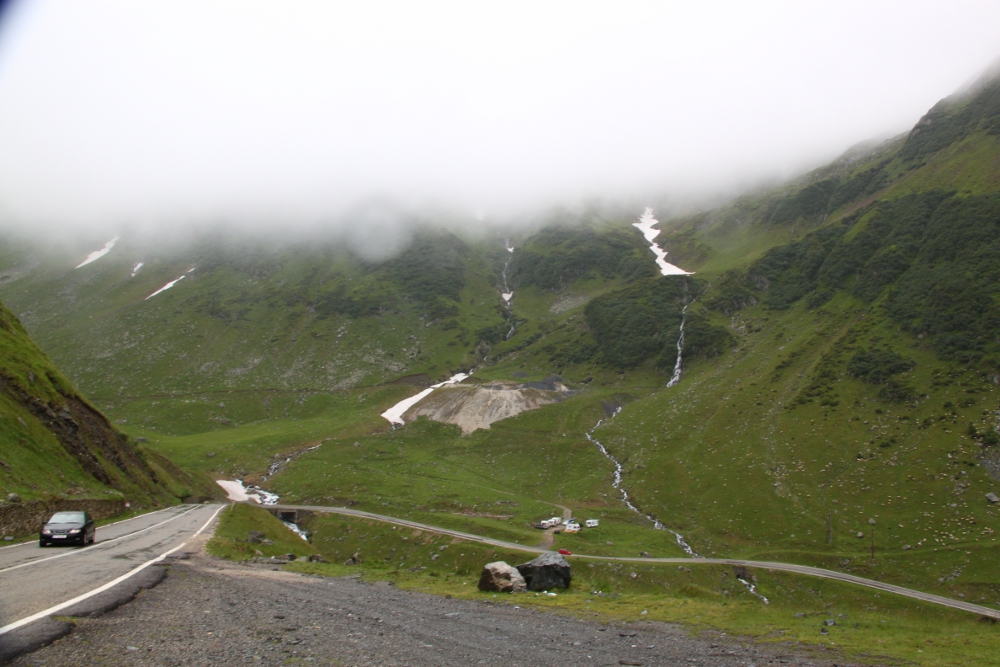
676	377
507	293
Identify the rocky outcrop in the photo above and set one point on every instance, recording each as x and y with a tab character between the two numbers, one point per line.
548	571
502	578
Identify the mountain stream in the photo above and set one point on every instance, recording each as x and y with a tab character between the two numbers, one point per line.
657	525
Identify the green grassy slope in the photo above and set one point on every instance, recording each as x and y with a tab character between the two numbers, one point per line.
54	444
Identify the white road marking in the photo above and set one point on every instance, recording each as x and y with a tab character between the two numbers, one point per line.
100	589
102	543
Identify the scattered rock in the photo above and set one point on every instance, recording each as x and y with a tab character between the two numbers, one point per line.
992	497
142	439
860	534
266	541
289	557
501	577
210	455
550	570
644	554
741	572
255	537
13	498
830	622
354	560
316	558
907	547
8	538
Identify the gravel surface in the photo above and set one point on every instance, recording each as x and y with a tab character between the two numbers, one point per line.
208	612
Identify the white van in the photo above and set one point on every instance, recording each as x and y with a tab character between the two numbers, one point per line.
591	523
572	528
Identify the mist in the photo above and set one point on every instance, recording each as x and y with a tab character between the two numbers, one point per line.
281	116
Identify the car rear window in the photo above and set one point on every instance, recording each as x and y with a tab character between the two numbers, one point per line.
67	517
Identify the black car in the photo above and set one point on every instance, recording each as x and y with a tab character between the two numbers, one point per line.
68	528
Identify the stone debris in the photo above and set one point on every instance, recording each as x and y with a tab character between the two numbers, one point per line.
502	578
992	497
255	537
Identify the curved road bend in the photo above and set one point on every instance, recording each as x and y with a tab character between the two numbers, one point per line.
784	567
33	579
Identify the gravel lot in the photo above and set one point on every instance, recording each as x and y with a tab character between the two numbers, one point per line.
208	612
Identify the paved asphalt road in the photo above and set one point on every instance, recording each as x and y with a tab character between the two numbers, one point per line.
785	567
33	579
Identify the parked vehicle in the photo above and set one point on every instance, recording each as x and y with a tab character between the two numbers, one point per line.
591	523
572	528
68	528
566	552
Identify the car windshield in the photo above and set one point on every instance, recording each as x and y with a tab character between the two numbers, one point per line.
67	517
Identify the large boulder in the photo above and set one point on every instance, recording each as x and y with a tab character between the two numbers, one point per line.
548	571
501	577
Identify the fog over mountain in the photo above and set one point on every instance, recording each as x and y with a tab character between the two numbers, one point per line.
118	115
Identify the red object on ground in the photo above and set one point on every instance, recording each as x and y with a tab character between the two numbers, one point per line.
566	552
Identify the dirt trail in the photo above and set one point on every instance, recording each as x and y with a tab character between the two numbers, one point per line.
549	539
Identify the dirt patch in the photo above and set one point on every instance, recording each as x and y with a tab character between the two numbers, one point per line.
473	407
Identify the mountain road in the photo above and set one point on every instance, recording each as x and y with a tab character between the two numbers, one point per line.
783	567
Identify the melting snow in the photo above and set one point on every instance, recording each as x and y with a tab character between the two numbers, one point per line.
168	285
395	414
97	254
135	269
645	225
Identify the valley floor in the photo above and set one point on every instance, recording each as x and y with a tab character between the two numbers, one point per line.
220	613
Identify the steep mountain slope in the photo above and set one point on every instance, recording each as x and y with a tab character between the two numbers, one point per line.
54	444
857	407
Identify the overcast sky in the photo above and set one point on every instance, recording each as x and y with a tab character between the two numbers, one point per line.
275	112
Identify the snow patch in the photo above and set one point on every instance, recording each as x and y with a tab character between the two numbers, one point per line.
395	414
236	491
97	254
135	269
168	285
645	226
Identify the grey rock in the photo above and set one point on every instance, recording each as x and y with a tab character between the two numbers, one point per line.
255	537
830	622
290	557
992	497
644	554
13	498
502	578
548	571
316	558
266	541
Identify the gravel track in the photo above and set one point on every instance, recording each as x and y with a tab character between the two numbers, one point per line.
210	612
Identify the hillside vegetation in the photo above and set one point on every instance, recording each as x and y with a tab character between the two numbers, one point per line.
54	444
838	403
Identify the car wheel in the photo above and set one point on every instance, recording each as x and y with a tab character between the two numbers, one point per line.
41	545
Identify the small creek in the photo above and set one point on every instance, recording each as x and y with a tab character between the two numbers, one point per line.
676	376
657	524
617	483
